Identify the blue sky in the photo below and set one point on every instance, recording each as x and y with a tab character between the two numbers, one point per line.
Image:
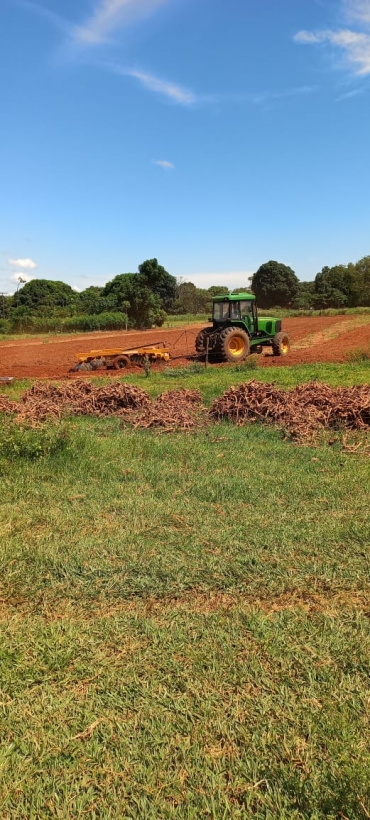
212	134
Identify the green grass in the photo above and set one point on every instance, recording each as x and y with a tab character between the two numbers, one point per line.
184	620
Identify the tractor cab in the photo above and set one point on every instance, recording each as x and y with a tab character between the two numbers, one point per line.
238	309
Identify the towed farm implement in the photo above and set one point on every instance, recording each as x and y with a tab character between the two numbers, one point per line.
119	358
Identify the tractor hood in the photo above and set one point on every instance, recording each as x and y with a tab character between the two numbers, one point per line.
269	325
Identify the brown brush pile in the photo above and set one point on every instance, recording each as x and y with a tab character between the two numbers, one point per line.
177	409
302	412
81	398
174	410
6	405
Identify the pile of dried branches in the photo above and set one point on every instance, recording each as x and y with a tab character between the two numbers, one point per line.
81	398
302	412
175	410
6	405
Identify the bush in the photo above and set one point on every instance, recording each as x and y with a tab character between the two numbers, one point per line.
5	326
97	321
19	441
56	324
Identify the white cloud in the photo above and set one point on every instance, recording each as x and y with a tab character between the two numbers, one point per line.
21	278
358	10
355	44
167	89
110	15
164	163
23	263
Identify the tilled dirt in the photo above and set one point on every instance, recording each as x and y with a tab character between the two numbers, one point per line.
314	339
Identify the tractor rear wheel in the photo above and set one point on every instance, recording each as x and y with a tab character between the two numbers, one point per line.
280	344
234	344
121	361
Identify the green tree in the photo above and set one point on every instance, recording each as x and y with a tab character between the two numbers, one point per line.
129	292
305	296
361	273
159	281
91	301
41	295
336	287
275	284
217	290
191	299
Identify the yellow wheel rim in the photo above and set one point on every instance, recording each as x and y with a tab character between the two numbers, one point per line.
236	346
284	348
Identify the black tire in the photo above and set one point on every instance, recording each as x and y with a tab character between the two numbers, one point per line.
281	344
120	362
201	342
234	344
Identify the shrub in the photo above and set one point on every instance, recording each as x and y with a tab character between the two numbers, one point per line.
22	442
5	326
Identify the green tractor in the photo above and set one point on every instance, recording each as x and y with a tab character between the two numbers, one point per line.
237	330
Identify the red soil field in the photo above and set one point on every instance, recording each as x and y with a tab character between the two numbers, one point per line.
314	339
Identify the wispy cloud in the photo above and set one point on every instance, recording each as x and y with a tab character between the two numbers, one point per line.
175	93
358	10
107	17
354	43
110	15
23	263
164	163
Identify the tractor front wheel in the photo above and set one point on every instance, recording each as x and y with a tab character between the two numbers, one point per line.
234	344
280	344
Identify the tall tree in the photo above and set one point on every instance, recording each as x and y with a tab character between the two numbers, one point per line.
336	287
191	299
130	294
361	272
275	284
41	294
159	281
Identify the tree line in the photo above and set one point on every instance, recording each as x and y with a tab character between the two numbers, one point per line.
145	298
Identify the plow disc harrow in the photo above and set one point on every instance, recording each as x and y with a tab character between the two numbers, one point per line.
118	358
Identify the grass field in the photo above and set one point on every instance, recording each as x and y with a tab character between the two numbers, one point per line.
184	618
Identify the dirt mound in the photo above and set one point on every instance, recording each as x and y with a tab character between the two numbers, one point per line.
302	412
